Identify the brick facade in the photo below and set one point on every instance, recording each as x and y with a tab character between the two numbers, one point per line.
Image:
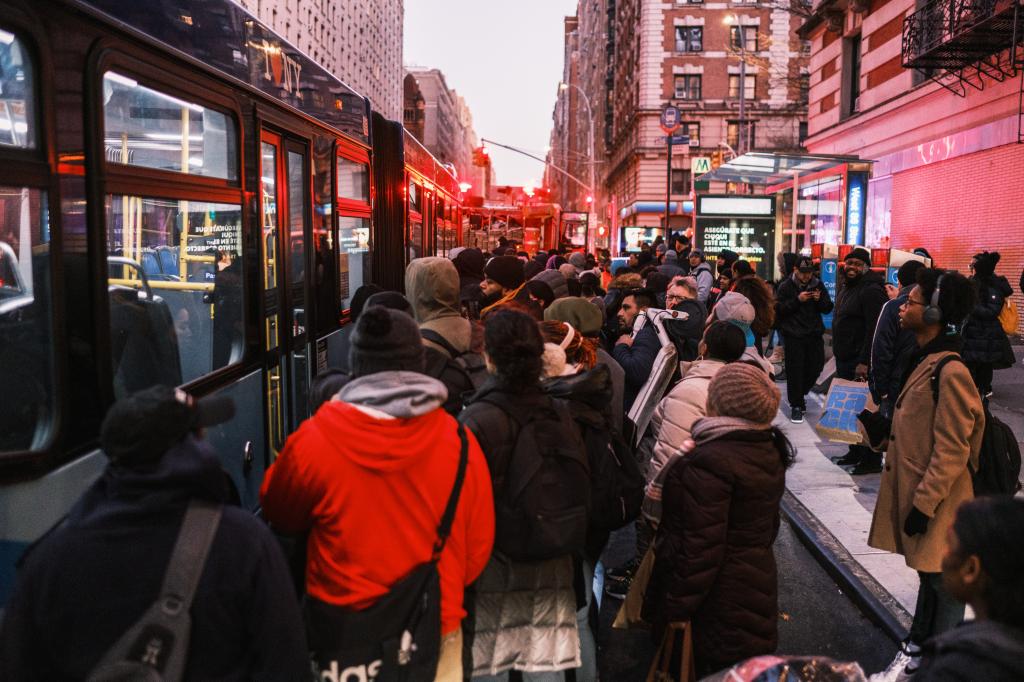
960	207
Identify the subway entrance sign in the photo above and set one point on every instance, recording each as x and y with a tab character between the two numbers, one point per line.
699	165
744	224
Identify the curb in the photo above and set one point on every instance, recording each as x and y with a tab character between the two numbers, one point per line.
873	600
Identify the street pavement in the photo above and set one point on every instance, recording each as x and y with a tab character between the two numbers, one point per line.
844	503
815	617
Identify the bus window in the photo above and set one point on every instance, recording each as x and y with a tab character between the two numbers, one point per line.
147	128
27	359
26	337
17	114
176	289
353	256
353	180
297	241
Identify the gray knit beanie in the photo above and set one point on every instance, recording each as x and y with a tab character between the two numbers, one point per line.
555	280
745	391
385	340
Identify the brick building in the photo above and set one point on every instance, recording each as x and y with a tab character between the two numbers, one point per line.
687	54
949	169
359	41
440	118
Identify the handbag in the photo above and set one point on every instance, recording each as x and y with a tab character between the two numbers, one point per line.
1009	318
629	615
661	666
398	638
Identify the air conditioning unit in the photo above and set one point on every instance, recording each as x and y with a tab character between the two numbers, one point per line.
694	142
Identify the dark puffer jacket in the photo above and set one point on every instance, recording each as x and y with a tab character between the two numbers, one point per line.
975	650
984	338
715	565
858	305
794	317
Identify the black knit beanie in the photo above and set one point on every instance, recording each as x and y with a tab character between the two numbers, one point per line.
506	271
385	340
907	274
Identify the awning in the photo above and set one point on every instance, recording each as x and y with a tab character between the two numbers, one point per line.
758	168
674	208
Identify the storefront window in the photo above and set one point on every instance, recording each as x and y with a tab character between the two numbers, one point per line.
820	210
879	216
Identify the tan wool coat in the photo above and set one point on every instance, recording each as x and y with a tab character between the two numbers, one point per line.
926	462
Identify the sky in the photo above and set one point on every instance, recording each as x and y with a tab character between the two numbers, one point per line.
505	59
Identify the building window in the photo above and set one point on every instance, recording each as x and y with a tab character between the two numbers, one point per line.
749	37
803	131
733	135
680	181
805	87
748	90
851	76
689	39
805	48
692	129
688	87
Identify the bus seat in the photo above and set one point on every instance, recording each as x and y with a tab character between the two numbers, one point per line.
143	343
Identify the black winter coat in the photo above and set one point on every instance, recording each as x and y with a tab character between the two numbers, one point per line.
637	361
984	338
794	317
892	350
714	563
975	650
83	585
858	305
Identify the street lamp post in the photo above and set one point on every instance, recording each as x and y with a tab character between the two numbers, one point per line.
590	119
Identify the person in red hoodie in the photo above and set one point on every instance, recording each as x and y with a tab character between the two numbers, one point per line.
369	475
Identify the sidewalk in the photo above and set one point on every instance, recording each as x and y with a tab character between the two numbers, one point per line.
843	504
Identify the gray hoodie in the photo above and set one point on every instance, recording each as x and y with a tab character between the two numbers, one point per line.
432	287
400	394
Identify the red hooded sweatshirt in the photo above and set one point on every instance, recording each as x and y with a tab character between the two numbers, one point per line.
372	490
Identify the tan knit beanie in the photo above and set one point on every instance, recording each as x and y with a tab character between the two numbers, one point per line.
745	391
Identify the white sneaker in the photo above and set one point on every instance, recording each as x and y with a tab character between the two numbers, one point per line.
903	667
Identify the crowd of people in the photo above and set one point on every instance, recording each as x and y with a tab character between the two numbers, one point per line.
444	510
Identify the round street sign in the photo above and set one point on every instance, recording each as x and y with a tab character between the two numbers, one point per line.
670	119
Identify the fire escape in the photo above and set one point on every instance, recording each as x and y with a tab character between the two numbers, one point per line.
961	43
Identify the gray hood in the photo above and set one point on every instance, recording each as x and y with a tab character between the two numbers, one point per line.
398	394
432	287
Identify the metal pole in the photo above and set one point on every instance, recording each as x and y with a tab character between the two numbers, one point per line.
741	138
796	211
668	184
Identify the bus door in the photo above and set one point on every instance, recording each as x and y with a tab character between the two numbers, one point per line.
284	227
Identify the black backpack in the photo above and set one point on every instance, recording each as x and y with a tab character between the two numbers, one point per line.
543	507
616	482
155	647
999	460
461	373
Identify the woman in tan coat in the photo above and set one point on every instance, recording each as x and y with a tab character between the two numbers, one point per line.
928	449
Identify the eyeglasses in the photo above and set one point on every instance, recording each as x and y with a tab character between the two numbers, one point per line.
672	298
911	301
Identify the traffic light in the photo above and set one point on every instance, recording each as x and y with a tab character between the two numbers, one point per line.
480	157
716	158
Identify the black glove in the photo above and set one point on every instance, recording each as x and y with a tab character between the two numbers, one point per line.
916	523
876	426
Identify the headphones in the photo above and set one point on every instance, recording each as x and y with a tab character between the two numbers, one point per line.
933	313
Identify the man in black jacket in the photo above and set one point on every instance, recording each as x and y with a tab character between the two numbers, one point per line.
801	300
88	581
635	354
858	304
892	347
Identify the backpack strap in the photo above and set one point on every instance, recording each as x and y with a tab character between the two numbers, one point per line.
937	372
445	527
434	337
189	556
